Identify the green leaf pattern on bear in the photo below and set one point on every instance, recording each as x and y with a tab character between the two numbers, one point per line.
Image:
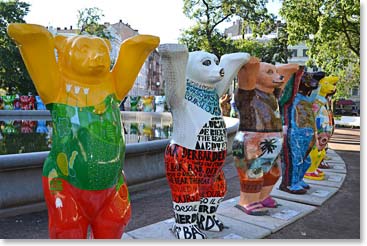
88	145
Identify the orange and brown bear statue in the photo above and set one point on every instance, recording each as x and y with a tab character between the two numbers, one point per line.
258	142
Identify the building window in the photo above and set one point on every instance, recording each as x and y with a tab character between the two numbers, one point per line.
305	52
293	52
355	91
314	69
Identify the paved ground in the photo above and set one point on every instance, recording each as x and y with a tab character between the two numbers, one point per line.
338	218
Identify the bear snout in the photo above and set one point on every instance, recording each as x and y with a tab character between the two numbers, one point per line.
221	72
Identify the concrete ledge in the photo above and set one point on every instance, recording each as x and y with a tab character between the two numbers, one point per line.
144	162
279	217
235	229
316	195
331	179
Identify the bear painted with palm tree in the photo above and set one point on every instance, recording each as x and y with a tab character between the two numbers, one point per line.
258	142
83	179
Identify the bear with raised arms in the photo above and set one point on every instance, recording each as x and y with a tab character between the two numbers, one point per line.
194	159
83	180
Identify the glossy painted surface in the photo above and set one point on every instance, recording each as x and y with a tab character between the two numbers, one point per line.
194	159
259	140
324	126
301	129
87	154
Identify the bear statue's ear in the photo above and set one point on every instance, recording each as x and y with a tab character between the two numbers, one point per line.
60	42
108	44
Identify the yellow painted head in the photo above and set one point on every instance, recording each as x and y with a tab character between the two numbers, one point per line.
83	55
328	85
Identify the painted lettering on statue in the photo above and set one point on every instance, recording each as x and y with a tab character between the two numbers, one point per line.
213	136
206	99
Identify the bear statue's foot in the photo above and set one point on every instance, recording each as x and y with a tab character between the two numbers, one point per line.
314	176
296	189
187	231
269	202
255	208
206	217
304	185
324	165
320	172
208	222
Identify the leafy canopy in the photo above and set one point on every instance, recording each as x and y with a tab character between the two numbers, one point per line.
209	14
331	30
14	77
88	22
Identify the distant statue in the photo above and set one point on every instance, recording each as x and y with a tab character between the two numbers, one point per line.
39	104
134	103
160	103
8	102
17	102
83	180
324	126
148	103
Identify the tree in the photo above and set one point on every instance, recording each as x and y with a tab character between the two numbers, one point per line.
88	19
14	77
331	30
211	13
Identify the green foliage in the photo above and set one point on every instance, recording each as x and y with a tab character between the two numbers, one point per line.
14	77
204	35
209	14
88	19
331	30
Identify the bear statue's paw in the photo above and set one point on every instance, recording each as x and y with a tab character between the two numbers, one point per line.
166	49
208	222
187	231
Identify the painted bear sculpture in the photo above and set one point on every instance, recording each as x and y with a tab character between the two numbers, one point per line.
83	179
195	156
148	103
324	126
258	142
300	137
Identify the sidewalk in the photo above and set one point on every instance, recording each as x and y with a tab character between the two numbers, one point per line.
242	226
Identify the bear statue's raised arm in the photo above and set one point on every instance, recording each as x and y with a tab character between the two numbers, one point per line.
247	75
231	63
37	47
174	62
286	70
132	55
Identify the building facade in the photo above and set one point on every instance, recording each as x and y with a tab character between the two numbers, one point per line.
298	55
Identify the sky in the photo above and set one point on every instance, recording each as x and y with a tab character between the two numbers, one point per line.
163	18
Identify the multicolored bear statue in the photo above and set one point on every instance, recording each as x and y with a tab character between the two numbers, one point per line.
327	86
148	103
258	142
300	136
83	181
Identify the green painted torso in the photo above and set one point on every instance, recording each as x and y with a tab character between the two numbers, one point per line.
88	145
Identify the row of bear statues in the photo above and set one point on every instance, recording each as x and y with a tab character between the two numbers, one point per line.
283	130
